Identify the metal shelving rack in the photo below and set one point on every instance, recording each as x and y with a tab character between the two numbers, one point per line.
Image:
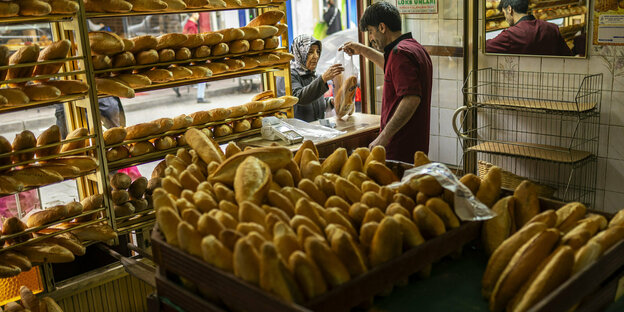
539	126
141	222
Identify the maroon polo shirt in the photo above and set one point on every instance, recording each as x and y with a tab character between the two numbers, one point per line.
529	36
407	71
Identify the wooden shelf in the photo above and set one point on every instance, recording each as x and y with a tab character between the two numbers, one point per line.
36	104
541	105
534	151
36	19
190	10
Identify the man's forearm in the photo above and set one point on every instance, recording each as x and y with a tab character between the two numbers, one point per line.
374	56
405	111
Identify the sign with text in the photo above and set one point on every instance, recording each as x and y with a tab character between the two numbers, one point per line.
609	23
417	6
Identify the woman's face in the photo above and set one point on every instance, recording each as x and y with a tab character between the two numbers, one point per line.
313	56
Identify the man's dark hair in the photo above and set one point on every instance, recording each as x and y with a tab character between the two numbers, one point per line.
520	6
381	12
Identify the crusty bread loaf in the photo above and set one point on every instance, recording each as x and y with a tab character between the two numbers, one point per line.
113	6
222	130
267	18
14	96
114	88
24	140
105	43
284	57
117	153
201	51
124	59
200	117
252	181
180	72
26	54
238	46
69	86
568	215
238	111
205	148
172	40
256	45
8	9
193	41
34	8
175	5
64	7
48	215
217	67
97	232
281	29
527	202
11	258
56	50
142	148
147	5
142	43
220	49
114	135
234	64
200	72
276	157
271	42
49	136
267	59
165	124
5	147
128	44
158	75
499	228
266	31
231	34
14	225
196	3
46	253
181	122
40	92
101	62
69	241
142	130
212	38
242	126
249	62
133	80
84	163
183	54
148	57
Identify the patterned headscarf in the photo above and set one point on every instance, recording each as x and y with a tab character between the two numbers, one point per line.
300	48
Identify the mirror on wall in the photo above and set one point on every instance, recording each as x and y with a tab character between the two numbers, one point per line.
535	27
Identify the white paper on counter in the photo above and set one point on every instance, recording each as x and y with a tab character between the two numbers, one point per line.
467	207
314	133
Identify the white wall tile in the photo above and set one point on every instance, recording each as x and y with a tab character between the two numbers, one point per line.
460	69
446	122
613	201
448	93
575	66
434	121
533	64
618	79
435	64
605	107
435	93
600	196
490	61
616	143
615	175
448	8
599	65
448	150
434	154
508	62
616	114
413	26
603	141
429	32
601	173
449	35
448	67
552	65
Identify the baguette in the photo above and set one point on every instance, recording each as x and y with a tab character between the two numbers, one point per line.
105	43
284	57
14	96
617	220
165	55
274	157
238	46
212	38
496	230
69	86
183	54
34	8
250	63
46	253
217	67
524	261
275	277
586	256
231	34
114	88
77	133
141	148
548	217
220	49
14	225
113	6
66	171
181	122
332	269
32	176
97	232
252	180
128	44
90	203
148	5
609	237
26	54
201	51
568	215
238	111
266	31
490	187
256	45
114	135
267	18
527	203
348	252
133	80
69	241
158	75
10	258
41	92
124	59
205	147
142	43
271	43
197	3
56	50
46	216
246	261
101	62
170	41
142	130
281	29
180	72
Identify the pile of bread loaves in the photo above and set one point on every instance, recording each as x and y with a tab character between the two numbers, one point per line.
30	302
112	51
59	248
33	174
37	7
548	247
42	89
263	102
295	226
127	195
121	6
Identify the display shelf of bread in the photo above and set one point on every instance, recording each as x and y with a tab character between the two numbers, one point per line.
496	20
116	8
153	140
31	162
52	235
492	12
322	233
536	252
123	66
132	203
28	71
30	302
37	11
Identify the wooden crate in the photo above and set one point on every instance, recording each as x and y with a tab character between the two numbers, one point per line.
240	295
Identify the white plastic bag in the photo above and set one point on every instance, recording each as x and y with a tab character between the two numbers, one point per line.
345	86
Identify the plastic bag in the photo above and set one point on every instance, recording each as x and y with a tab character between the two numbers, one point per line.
466	205
345	86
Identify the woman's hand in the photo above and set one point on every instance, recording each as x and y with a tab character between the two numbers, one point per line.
332	72
352	48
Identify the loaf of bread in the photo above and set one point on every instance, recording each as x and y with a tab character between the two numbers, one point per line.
142	130
46	253
281	29
24	140
41	92
117	153
133	80
148	57
276	157
266	31
124	59
239	46
231	34
8	9
113	6
284	57
217	67
496	230
212	38
114	88
217	114
14	225
14	96
69	86
114	135
172	40
265	95
193	41
49	136
56	50
222	130
101	62
201	52
267	59
26	54
84	163
46	216
252	181
205	148
197	3
220	49
34	8
142	43
105	43
271	42
234	64
158	75
128	44
251	33
33	176
97	232
69	241
267	18
181	122
147	5
180	72
200	72
256	45
249	62
183	54
142	148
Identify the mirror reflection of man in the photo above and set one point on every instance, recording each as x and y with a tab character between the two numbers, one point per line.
526	34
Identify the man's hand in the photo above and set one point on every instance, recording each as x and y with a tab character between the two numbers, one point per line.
352	48
379	140
332	72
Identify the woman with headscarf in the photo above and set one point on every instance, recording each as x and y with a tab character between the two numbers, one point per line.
306	84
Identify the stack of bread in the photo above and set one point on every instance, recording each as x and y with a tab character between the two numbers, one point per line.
122	6
37	7
26	168
112	51
127	195
55	249
40	89
534	251
265	102
294	226
30	302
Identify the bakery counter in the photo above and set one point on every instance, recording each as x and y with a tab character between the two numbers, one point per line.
361	129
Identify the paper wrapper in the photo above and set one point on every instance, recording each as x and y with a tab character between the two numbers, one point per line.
467	207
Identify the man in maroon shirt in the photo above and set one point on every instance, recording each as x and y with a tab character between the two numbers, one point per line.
406	101
526	35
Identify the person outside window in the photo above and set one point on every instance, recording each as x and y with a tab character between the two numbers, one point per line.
332	18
